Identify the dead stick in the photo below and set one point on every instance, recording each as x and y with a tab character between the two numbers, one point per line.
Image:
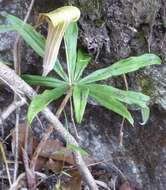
11	108
49	131
6	164
17	63
64	102
39	148
30	175
20	86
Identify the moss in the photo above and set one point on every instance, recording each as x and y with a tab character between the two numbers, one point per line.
146	85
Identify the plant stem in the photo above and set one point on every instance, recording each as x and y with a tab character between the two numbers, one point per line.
20	86
64	102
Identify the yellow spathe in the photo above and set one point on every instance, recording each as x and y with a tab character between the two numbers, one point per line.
58	20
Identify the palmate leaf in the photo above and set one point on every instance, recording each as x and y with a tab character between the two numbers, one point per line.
39	102
112	104
60	71
70	39
129	97
28	33
80	96
83	60
121	67
43	81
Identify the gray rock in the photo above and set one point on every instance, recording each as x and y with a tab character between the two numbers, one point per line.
155	78
111	30
142	159
133	28
17	8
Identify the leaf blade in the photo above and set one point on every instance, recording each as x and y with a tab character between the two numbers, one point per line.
112	104
80	96
6	28
129	97
70	39
145	112
28	33
43	81
83	60
122	67
60	71
77	149
39	102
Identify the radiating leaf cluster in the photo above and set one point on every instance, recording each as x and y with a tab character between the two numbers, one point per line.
82	87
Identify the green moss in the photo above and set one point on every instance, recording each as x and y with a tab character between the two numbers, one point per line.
146	85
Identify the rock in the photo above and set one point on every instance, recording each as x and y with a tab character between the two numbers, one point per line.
111	30
18	8
142	159
131	28
152	82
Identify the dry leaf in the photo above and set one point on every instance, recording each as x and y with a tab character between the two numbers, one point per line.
52	156
126	186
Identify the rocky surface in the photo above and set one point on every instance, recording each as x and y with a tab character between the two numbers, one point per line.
110	30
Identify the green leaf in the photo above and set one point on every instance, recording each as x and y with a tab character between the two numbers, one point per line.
112	104
121	67
70	38
28	33
77	149
129	97
59	70
43	81
82	61
39	102
5	62
6	28
80	96
145	115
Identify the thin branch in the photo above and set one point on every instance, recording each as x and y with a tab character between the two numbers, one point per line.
39	148
20	86
16	145
1	126
18	42
6	164
121	133
30	175
11	108
72	119
49	131
64	102
21	177
17	67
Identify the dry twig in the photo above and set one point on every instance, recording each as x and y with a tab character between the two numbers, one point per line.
72	119
6	164
64	102
121	133
20	86
11	108
17	62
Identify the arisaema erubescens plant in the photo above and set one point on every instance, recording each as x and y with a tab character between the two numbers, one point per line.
62	24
